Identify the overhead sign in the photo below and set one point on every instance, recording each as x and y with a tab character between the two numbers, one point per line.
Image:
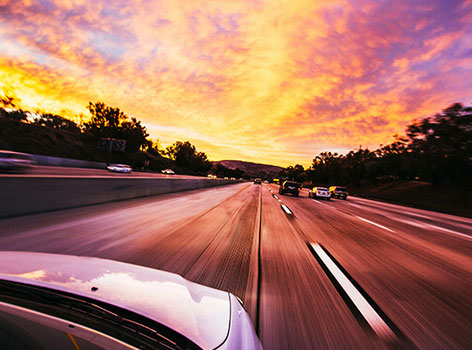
112	145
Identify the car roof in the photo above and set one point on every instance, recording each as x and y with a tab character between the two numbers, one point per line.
200	313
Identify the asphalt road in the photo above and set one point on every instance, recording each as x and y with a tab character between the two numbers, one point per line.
339	274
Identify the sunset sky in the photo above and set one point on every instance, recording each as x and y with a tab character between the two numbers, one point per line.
270	81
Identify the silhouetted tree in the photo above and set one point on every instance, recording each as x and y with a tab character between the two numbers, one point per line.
442	145
295	173
56	122
436	149
110	122
186	155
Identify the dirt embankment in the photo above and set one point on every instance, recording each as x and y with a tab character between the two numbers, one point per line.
456	200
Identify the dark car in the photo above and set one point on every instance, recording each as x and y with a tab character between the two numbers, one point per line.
338	192
290	187
257	181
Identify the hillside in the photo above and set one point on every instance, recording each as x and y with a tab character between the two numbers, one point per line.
252	169
27	138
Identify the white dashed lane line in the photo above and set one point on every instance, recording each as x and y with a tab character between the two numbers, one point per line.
374	223
286	209
375	321
426	226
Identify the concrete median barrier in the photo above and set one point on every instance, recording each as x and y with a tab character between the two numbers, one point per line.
30	195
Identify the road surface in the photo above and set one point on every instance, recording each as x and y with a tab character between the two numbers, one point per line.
339	274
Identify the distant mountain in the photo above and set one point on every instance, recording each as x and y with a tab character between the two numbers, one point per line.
252	169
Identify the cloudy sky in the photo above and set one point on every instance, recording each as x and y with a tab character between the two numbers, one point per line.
268	81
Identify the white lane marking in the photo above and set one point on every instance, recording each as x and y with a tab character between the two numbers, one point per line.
276	197
412	223
434	227
376	224
286	209
371	316
450	231
317	201
280	201
354	205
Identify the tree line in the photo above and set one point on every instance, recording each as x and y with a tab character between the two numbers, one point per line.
111	123
436	149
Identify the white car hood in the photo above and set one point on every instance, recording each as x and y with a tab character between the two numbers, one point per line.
200	313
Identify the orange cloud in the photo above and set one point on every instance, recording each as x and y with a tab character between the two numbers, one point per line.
269	81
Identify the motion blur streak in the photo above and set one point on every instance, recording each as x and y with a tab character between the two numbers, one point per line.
419	276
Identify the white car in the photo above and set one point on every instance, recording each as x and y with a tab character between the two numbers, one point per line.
119	168
319	192
168	172
56	301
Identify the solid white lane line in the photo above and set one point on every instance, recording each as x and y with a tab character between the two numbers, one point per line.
434	227
450	231
286	209
376	224
371	316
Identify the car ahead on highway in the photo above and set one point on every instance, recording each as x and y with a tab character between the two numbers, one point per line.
290	187
168	172
15	161
119	168
319	192
258	181
51	301
338	192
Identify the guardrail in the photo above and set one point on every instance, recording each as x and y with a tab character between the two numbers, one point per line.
30	195
66	162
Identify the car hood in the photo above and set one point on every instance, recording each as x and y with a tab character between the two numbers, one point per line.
200	313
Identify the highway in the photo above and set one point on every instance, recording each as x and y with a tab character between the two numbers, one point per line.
59	171
313	274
